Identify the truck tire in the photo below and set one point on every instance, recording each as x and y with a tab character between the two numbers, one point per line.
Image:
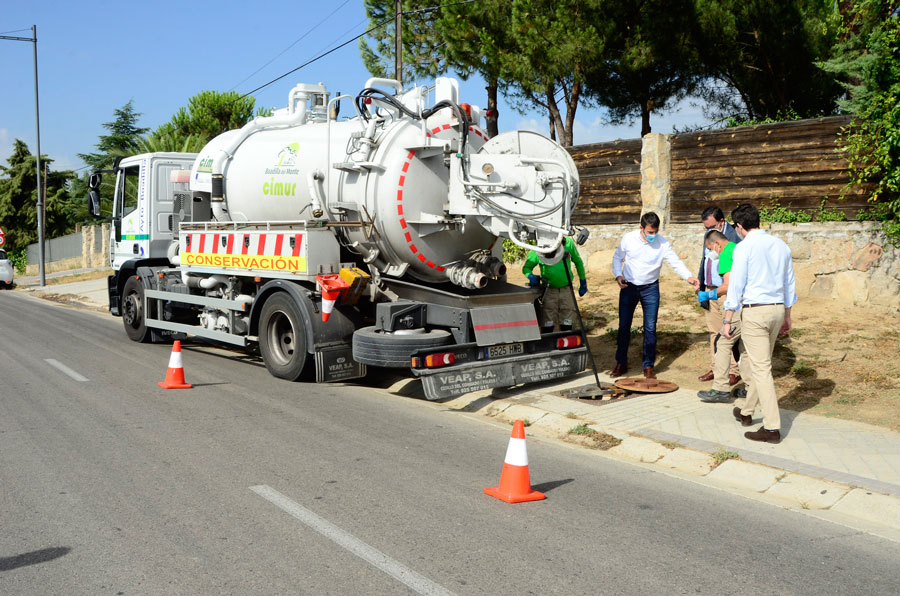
282	339
376	348
133	311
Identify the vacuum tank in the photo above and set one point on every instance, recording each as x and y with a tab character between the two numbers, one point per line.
412	188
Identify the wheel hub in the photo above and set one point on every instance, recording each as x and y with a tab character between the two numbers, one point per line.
281	337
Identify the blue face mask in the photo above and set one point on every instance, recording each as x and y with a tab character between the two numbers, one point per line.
651	238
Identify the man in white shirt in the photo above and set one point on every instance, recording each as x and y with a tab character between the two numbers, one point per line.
762	289
636	266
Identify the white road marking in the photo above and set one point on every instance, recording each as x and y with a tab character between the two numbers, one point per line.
371	555
65	369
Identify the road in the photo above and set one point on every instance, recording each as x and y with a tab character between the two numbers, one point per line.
250	485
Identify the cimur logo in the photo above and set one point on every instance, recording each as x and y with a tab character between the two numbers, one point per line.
205	166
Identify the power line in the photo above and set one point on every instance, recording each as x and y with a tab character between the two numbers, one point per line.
298	40
16	31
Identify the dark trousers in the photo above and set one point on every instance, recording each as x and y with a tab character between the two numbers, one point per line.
629	297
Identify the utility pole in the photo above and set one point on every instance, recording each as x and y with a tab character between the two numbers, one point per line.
398	42
37	123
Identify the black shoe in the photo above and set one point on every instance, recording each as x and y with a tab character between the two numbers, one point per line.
744	420
713	396
765	435
740	392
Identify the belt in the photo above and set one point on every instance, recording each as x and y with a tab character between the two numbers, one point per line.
772	304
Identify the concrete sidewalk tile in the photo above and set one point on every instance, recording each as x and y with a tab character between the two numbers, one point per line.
556	423
520	412
497	407
640	449
881	509
746	475
688	460
811	493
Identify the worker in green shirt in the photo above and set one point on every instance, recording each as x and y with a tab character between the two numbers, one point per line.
725	346
559	306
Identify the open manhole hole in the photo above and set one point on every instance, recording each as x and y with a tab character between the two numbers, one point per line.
603	393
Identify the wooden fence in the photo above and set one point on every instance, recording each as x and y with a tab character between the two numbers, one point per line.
792	164
610	182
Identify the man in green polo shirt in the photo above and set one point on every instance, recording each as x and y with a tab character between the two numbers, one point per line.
559	306
720	392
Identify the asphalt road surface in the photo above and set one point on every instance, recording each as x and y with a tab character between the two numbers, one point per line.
250	485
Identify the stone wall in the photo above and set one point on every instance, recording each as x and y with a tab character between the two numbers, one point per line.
847	261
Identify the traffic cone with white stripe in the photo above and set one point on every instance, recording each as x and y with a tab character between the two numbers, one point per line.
329	297
515	482
175	373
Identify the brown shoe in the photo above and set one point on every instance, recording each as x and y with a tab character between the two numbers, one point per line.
765	435
648	372
619	370
707	376
734	379
744	420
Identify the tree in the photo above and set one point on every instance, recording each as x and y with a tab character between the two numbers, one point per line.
18	199
867	61
761	57
467	30
207	115
122	139
552	48
648	62
422	55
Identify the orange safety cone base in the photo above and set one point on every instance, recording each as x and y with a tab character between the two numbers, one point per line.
534	495
167	384
515	486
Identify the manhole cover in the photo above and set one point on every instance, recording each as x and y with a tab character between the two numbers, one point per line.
642	385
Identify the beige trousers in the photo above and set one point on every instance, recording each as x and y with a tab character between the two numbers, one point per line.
759	330
714	318
558	308
725	357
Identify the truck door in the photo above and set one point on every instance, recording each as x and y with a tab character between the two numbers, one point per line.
163	194
131	233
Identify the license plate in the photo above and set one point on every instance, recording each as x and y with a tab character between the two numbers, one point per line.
504	350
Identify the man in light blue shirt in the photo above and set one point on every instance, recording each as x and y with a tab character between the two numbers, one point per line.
761	291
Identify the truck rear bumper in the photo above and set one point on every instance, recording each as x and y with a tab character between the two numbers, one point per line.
486	374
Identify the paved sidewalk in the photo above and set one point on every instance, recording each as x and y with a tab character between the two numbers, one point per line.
821	463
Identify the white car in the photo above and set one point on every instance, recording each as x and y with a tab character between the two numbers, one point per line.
6	270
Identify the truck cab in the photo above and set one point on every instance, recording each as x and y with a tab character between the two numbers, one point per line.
146	209
145	206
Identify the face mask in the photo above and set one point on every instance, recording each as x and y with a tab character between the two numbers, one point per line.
651	238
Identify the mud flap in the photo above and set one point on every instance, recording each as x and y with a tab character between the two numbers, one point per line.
336	363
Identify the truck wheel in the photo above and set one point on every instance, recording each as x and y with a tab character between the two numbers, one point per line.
282	339
133	311
377	348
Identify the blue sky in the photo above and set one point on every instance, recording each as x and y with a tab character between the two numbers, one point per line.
94	56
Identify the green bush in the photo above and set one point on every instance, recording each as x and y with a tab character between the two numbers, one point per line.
512	253
19	259
775	213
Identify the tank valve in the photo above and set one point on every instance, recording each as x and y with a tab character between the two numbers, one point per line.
467	277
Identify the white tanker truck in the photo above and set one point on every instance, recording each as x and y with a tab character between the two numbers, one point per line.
335	243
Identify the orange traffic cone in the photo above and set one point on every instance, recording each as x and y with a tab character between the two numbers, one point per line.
329	297
331	285
515	482
175	373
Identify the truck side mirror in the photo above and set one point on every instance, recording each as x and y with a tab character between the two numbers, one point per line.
94	181
94	202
